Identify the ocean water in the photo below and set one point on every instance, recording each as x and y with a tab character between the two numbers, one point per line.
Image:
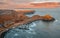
38	29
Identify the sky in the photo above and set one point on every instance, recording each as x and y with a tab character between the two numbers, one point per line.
22	1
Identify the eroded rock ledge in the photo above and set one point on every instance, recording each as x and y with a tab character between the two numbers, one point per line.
14	18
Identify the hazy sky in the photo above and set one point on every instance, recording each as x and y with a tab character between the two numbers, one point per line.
22	1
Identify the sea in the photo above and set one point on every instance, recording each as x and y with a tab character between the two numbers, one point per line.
38	29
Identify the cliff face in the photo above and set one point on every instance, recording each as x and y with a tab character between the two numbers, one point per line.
10	16
7	16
